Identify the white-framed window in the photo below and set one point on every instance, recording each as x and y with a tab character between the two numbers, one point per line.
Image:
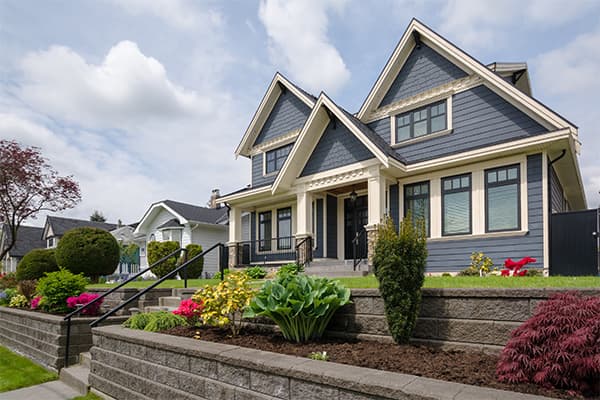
264	231
275	158
456	205
502	199
422	122
417	201
284	228
173	235
52	242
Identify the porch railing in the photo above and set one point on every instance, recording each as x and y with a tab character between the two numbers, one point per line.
359	247
304	251
277	249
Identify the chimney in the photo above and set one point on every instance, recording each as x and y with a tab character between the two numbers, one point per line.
214	196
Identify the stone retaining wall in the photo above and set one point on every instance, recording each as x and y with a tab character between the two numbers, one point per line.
42	337
120	295
130	364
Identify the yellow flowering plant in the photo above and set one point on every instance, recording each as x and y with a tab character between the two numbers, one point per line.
225	302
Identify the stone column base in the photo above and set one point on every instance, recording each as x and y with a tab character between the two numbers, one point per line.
304	251
372	232
234	254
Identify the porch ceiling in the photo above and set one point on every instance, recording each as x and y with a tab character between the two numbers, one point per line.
348	188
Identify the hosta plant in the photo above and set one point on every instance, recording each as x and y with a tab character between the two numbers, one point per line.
19	301
557	347
225	302
300	305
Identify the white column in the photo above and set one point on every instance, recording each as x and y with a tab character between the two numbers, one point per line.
235	225
376	187
304	214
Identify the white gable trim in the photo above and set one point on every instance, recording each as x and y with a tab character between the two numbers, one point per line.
306	142
149	213
531	107
265	108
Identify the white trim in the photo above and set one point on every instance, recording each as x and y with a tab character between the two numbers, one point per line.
545	216
181	219
341	232
394	117
241	195
275	143
510	93
488	235
324	226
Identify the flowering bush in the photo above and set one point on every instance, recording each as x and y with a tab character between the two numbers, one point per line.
35	302
224	302
558	347
190	310
85	298
481	265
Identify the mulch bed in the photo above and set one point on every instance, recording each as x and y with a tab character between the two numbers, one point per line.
472	368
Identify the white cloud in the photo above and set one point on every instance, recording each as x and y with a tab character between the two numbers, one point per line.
178	13
299	43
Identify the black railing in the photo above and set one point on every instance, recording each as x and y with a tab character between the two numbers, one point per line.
359	248
79	309
304	253
264	250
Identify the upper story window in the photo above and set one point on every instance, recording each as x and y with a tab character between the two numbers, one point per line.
456	205
275	158
502	199
422	121
416	200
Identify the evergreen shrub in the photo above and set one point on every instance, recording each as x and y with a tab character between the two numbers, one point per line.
193	270
158	250
35	264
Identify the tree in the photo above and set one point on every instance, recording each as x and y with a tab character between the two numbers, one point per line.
97	216
28	185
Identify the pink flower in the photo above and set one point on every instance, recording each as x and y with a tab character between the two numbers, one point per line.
85	298
35	302
189	309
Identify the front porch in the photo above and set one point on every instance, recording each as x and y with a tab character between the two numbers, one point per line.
329	218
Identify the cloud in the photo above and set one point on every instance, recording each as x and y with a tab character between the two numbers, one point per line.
178	13
297	32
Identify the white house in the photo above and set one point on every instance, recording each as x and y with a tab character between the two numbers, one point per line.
28	238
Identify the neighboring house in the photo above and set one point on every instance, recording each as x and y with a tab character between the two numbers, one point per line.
28	238
461	144
170	220
55	228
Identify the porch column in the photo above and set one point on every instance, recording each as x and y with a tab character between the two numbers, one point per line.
235	236
376	199
304	224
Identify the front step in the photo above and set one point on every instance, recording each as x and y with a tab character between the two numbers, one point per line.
158	308
85	359
169	301
77	377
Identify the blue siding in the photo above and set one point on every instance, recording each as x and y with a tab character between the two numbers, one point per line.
556	193
455	255
424	69
257	172
480	118
336	148
319	228
394	205
331	226
289	113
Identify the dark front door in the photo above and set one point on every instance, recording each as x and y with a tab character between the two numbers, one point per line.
356	216
574	243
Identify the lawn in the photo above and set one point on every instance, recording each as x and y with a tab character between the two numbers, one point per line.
18	372
430	282
89	396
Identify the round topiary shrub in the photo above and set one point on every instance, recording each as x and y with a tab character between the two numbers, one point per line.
90	251
194	270
35	264
158	250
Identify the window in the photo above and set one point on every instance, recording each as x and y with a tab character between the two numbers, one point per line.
456	205
264	231
416	200
284	228
152	238
275	158
422	121
173	235
502	199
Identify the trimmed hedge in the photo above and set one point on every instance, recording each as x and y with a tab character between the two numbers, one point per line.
90	251
158	250
194	270
35	264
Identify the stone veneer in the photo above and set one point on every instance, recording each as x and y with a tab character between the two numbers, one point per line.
130	364
42	337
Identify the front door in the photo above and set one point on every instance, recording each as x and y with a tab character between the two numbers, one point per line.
356	216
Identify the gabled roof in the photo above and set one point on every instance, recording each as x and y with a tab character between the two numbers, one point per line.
265	107
418	31
312	131
28	238
172	223
182	213
59	225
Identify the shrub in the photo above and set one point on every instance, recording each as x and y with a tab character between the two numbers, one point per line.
6	296
194	270
155	321
559	346
534	272
89	251
158	250
300	305
19	301
35	302
256	272
224	302
27	288
399	262
84	298
35	264
190	310
56	287
8	280
290	269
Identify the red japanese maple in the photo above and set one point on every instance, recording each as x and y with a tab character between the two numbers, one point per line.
28	185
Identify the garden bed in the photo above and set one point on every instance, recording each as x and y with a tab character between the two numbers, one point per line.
471	368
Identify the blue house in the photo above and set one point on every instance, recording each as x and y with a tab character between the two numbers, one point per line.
460	143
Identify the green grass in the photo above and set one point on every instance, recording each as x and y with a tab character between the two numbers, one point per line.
18	372
89	396
430	282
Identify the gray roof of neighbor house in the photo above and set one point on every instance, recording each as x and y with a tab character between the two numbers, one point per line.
28	238
172	223
60	225
196	213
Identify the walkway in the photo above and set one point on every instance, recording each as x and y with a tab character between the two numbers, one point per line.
55	390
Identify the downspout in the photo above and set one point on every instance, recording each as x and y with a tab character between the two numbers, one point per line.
549	174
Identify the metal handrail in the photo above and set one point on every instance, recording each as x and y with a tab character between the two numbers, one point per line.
355	243
88	304
307	250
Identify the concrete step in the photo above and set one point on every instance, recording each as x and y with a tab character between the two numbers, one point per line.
85	359
134	310
76	377
169	301
158	308
184	293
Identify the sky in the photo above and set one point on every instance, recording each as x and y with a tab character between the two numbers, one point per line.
143	101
